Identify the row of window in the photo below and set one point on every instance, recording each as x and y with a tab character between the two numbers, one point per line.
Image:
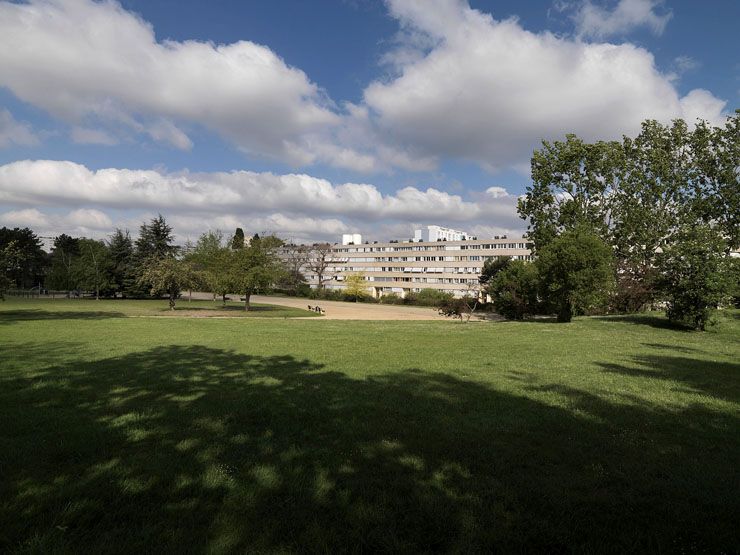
475	258
440	281
483	246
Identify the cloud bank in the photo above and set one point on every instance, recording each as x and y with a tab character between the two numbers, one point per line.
293	205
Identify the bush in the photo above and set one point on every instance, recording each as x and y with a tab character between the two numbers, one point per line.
429	297
392	298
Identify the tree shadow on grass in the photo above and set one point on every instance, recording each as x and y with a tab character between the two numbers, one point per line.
26	315
645	320
718	379
194	449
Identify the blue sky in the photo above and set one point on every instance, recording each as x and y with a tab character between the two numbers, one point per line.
310	119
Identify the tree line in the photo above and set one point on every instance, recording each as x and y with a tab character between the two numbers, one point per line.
619	226
151	265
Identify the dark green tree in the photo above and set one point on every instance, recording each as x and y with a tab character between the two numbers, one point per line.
492	267
576	272
697	276
155	242
514	290
65	252
121	248
10	260
237	241
31	260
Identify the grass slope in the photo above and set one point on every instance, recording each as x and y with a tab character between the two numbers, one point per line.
223	435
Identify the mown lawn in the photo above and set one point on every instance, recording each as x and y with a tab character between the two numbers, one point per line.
33	309
121	434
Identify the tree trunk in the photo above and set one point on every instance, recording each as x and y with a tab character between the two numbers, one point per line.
565	313
246	300
172	301
223	299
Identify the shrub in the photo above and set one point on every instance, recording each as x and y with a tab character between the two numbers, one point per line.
391	298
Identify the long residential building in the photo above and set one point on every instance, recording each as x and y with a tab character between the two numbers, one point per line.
407	266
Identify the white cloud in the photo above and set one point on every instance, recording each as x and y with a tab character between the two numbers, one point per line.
296	205
13	132
490	91
598	22
82	222
94	61
461	86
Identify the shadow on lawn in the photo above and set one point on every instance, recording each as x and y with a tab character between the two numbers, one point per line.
660	322
198	449
718	379
25	315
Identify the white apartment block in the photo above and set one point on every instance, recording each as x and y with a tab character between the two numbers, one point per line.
410	266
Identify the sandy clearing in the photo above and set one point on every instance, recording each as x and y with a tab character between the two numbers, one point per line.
336	310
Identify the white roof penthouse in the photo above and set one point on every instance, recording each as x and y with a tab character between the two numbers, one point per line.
403	267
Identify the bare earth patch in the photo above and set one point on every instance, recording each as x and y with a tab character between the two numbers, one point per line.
336	310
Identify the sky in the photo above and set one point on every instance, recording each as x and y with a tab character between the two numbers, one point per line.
314	119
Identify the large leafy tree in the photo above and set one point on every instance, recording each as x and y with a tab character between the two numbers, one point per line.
256	267
212	259
573	183
640	196
93	269
576	272
168	276
30	261
717	184
514	290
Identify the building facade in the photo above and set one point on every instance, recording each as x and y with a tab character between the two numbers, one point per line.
410	266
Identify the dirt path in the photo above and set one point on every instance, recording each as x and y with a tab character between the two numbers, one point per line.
335	310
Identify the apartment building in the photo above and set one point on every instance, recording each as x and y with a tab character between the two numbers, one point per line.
409	266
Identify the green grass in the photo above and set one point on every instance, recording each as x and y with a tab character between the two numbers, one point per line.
121	434
32	309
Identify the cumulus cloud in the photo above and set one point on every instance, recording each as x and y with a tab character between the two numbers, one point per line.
488	90
461	85
13	132
82	60
595	21
294	205
83	222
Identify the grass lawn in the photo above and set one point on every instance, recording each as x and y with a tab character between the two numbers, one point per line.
122	434
33	309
